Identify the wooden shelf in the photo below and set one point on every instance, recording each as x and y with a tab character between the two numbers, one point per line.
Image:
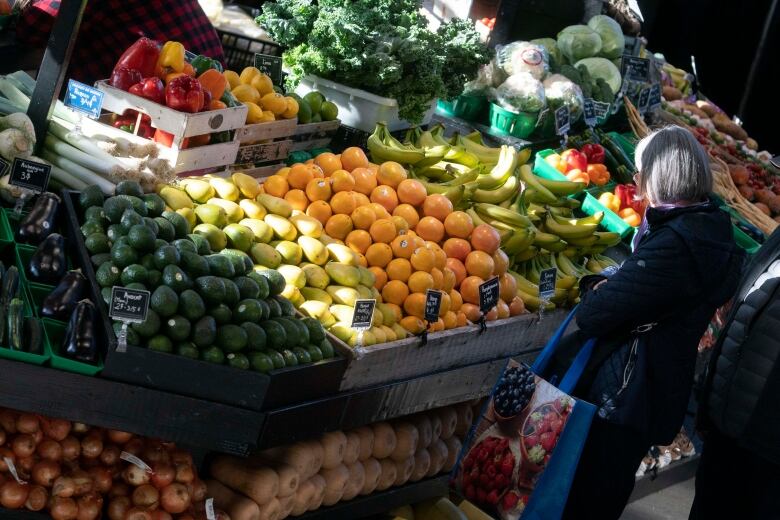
99	402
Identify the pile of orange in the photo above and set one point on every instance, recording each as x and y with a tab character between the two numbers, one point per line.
410	240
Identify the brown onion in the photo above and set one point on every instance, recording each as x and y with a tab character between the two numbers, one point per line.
185	473
37	437
2	436
8	421
182	457
161	515
64	487
6	453
46	472
49	449
25	465
101	479
162	475
55	429
23	445
153	452
138	513
80	427
90	506
82	481
135	476
13	495
134	446
91	446
175	498
119	489
63	508
27	423
118	507
197	490
110	455
145	496
119	437
71	448
37	498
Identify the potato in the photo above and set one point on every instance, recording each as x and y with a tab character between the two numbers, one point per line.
317	456
259	484
335	482
422	462
236	505
319	491
435	426
465	419
384	440
373	472
404	470
271	511
388	475
352	450
303	498
438	451
424	429
334	444
453	450
449	421
357	478
407	438
366	434
286	505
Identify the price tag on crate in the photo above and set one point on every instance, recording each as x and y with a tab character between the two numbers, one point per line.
257	153
589	112
270	65
83	98
635	68
30	175
654	100
488	294
128	306
562	121
362	317
644	99
210	514
547	283
432	305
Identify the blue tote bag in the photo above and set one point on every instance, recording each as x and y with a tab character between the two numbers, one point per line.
537	441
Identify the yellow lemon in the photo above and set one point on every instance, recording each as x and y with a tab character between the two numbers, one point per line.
292	108
246	94
248	74
263	84
255	113
232	78
274	102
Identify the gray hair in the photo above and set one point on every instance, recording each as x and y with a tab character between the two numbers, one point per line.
674	167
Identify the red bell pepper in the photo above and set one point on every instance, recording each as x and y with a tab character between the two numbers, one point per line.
150	88
166	139
594	153
628	198
123	78
206	100
141	56
184	94
574	159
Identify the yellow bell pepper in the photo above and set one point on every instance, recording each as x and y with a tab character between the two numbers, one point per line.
246	93
232	78
254	114
248	74
172	56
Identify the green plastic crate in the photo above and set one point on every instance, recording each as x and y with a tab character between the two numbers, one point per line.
745	241
6	235
470	108
504	122
611	221
18	355
23	255
55	333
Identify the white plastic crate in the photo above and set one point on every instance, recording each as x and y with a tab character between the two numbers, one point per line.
358	108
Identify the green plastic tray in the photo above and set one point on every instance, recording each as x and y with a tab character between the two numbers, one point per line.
504	122
745	241
470	108
23	255
624	142
6	235
18	355
611	221
55	332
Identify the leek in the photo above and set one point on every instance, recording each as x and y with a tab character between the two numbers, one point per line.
78	172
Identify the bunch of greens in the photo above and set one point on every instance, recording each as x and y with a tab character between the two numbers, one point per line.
382	46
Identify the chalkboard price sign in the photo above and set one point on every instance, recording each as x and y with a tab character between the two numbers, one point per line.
432	305
488	294
547	283
363	314
635	69
601	109
129	305
4	166
271	66
30	175
644	98
655	97
562	120
589	112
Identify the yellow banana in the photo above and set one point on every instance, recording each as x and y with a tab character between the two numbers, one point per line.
532	181
503	214
568	230
606	238
583	242
498	195
520	241
485	154
561	188
590	220
382	152
460	155
475	217
501	172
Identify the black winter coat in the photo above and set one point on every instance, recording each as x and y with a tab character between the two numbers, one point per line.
742	389
684	268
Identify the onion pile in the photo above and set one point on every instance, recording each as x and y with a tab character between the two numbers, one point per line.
75	472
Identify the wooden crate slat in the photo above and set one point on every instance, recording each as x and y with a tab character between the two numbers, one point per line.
312	128
257	153
311	145
269	130
207	156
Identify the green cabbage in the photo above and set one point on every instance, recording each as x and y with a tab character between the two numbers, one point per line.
556	58
579	41
604	69
612	40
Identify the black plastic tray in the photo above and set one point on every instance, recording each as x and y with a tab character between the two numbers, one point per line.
195	378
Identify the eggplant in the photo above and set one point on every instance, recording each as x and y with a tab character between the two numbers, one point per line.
59	304
10	287
80	342
39	223
33	335
15	317
48	264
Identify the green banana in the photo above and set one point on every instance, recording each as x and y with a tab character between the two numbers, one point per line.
500	173
485	154
532	181
498	195
583	242
527	254
520	241
475	137
606	238
505	215
562	188
381	151
475	217
568	230
594	219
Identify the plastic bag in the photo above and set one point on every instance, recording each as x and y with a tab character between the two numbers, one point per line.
560	91
527	57
488	77
521	93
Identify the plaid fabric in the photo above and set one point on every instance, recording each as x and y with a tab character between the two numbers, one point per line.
111	26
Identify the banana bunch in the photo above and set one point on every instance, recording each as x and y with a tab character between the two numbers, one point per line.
384	147
680	78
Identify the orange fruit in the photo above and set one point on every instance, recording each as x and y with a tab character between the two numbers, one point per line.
462	320
408	213
456	300
479	263
380	276
507	287
440	257
516	306
379	211
396	311
458	224
413	324
342	203
485	238
395	291
503	309
360	199
362	259
492	314
338	226
420	281
401	225
449	279
379	255
365	180
276	185
414	305
438	278
353	157
297	199
383	230
318	189
316	171
471	312
358	240
429	228
436	326
283	172
299	176
403	246
385	196
438	206
450	320
390	174
469	289
501	261
373	167
342	180
423	259
457	267
363	217
320	210
328	162
446	302
457	248
411	191
399	269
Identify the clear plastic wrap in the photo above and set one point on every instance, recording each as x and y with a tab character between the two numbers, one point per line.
560	91
518	57
489	77
521	93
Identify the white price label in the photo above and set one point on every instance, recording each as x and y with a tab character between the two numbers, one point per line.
210	515
12	468
132	459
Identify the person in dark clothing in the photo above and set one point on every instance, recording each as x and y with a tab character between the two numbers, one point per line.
739	416
684	266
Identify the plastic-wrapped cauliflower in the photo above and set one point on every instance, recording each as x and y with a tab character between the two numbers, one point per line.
521	93
488	77
560	91
527	57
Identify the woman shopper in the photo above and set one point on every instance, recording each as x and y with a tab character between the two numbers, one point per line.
648	318
739	418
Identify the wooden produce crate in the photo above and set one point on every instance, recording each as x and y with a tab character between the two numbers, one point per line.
407	358
264	143
182	125
314	135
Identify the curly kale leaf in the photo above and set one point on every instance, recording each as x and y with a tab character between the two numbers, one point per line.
289	21
464	52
